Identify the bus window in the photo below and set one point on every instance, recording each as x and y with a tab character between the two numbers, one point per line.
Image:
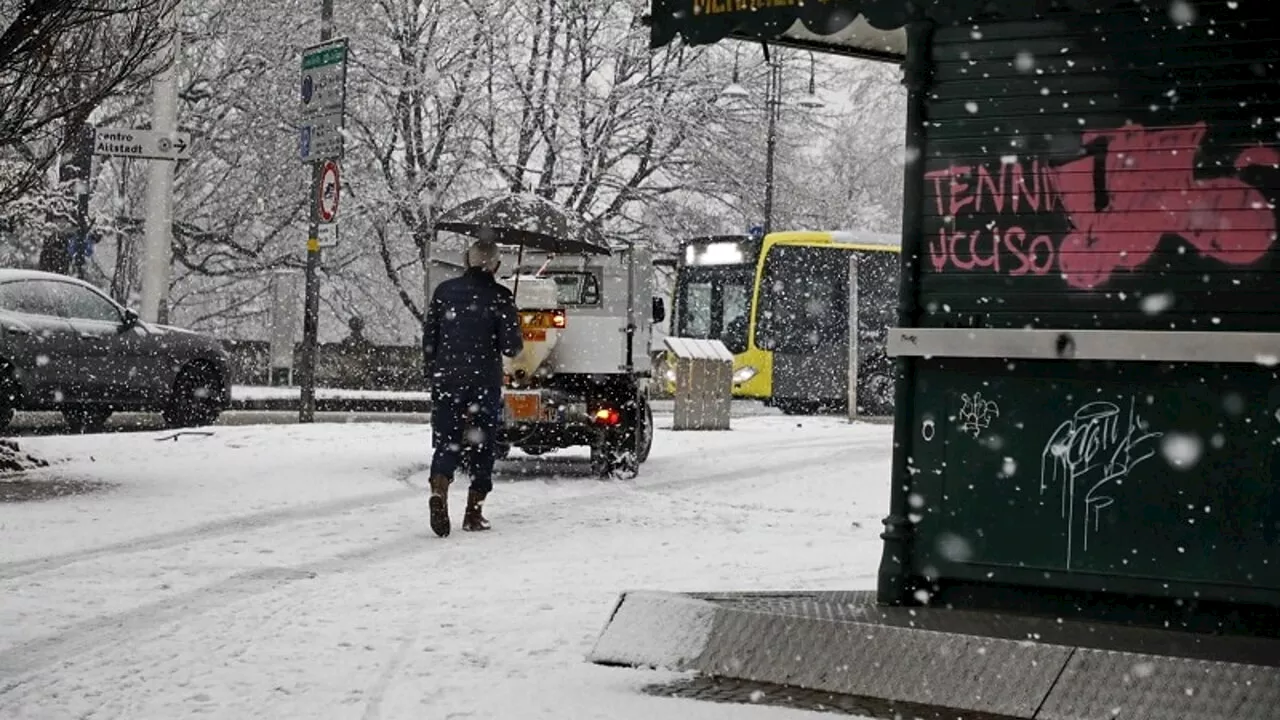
877	294
803	300
695	306
737	315
715	303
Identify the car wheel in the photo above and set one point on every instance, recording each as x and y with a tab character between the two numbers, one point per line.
194	402
9	398
82	420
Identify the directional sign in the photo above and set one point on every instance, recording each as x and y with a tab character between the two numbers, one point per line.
125	142
323	96
330	190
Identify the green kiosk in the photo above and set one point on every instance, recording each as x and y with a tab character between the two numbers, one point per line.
1085	513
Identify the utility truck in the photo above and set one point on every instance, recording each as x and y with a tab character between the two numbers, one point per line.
583	377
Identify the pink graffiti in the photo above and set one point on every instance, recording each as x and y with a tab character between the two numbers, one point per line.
993	248
1002	245
1137	185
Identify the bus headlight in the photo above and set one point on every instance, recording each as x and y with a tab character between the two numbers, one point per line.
743	374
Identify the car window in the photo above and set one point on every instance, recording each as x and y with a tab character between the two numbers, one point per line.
85	304
32	297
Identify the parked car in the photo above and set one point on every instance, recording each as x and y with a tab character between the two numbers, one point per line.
65	346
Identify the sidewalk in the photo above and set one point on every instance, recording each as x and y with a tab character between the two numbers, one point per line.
266	398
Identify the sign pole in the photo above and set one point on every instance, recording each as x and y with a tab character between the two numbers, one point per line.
312	141
84	166
852	388
158	226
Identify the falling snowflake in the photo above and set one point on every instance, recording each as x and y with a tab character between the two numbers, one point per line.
1182	450
1182	12
1157	303
954	547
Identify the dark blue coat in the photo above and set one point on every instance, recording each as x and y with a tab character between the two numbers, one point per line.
471	323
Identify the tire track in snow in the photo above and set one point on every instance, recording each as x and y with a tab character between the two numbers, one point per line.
373	706
215	529
22	664
270	518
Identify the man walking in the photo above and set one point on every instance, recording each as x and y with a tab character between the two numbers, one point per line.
471	324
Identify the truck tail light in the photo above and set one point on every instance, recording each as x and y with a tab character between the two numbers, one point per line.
558	319
608	416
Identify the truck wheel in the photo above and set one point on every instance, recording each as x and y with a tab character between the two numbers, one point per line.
610	460
644	433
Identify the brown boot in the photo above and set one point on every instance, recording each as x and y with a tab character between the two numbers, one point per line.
473	521
439	505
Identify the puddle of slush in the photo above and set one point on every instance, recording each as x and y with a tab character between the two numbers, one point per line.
18	490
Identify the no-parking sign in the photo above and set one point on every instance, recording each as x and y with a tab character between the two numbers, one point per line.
330	189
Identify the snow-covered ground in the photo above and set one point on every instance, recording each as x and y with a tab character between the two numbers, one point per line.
288	571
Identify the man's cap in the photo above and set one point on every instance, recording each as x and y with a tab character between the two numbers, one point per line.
484	254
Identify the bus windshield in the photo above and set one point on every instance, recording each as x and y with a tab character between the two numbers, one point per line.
715	303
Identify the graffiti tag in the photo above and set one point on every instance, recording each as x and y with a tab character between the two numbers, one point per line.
976	413
1097	448
1131	187
1002	245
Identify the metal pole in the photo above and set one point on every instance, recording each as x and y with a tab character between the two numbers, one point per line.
851	395
894	585
84	167
773	103
158	226
311	306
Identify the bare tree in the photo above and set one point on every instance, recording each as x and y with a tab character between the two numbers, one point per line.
849	176
59	60
598	122
412	129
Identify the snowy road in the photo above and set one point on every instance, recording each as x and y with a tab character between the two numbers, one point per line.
287	571
51	423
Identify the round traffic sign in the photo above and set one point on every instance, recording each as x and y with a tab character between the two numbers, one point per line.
329	191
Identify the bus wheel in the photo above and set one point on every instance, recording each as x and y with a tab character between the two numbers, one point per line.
791	406
880	387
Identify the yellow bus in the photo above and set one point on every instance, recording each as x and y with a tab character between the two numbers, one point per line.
781	303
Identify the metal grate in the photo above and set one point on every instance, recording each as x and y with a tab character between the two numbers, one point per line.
743	692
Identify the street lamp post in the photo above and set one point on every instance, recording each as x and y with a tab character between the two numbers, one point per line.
773	112
773	108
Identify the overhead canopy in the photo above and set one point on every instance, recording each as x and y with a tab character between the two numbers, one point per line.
527	220
837	26
862	28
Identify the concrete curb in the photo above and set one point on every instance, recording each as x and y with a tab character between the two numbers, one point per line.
853	649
